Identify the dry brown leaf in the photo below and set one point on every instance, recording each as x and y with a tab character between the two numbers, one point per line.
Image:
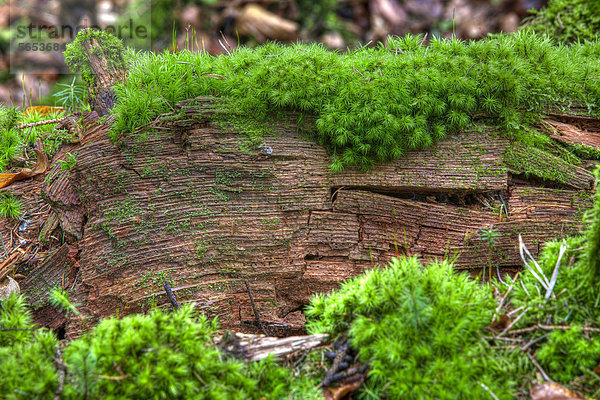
553	391
40	167
342	391
501	323
42	110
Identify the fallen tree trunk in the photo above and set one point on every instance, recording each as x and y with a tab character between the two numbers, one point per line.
249	236
185	205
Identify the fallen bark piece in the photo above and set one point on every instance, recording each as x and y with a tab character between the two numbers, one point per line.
258	347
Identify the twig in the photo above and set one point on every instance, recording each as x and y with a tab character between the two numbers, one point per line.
499	278
469	70
354	69
487	389
223	46
539	367
39	123
62	370
262	328
170	295
534	341
503	299
524	288
5	266
274	55
565	327
342	352
514	311
523	251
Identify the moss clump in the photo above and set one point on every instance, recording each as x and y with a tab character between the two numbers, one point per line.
156	356
412	323
374	104
78	62
10	206
568	20
532	161
568	352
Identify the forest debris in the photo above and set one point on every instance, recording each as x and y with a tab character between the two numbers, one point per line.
552	391
260	324
348	386
257	347
40	167
8	263
255	21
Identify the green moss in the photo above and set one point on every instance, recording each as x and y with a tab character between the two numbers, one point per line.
410	321
156	356
78	62
373	104
10	206
568	20
584	151
535	162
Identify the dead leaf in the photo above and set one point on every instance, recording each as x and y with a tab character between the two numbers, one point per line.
42	110
501	323
40	167
553	391
343	390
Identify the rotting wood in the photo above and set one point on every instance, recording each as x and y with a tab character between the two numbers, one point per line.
186	205
257	347
105	74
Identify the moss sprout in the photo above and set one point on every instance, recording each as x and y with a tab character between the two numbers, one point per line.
10	206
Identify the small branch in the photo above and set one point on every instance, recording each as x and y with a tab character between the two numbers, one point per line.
274	55
62	370
354	69
170	295
523	251
469	70
534	341
262	328
563	249
39	123
539	367
487	389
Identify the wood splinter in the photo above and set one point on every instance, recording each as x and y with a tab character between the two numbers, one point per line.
262	328
170	295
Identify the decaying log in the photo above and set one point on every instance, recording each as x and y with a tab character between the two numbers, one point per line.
257	347
186	205
182	201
